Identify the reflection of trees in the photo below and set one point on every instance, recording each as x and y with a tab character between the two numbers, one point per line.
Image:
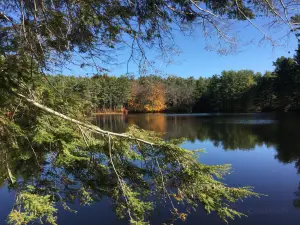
221	130
296	202
232	133
120	123
116	123
55	166
155	122
288	145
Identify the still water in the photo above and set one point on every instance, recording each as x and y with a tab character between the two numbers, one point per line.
263	149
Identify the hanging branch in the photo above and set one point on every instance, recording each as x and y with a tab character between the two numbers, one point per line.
83	135
120	180
11	177
91	127
164	186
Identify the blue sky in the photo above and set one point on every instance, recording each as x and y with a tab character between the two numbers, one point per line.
195	61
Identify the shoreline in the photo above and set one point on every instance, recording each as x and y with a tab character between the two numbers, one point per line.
108	113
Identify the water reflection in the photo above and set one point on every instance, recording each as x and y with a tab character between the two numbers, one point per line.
231	132
244	132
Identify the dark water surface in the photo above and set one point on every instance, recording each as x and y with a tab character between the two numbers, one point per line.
264	150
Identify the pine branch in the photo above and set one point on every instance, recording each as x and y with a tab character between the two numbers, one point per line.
91	127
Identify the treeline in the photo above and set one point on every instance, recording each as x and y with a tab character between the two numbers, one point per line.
246	91
100	92
232	91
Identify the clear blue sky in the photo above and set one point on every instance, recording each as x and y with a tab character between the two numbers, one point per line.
196	61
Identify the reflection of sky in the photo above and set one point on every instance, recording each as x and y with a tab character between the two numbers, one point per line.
257	168
6	203
254	165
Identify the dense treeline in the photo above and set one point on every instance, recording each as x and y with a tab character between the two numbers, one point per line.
232	91
100	92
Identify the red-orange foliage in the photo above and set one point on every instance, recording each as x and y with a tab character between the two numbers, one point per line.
148	97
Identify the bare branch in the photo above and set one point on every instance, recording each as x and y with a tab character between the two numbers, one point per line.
203	10
253	24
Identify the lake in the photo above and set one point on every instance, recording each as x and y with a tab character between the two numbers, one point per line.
263	149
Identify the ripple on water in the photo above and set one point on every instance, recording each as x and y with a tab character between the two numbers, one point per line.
256	121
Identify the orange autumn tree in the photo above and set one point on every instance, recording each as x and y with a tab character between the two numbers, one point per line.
147	96
134	103
156	98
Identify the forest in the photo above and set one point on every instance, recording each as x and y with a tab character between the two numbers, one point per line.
231	91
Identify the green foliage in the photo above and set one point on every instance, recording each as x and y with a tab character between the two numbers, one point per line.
232	91
56	30
32	207
227	93
109	92
71	162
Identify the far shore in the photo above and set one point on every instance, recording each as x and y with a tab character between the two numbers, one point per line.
108	113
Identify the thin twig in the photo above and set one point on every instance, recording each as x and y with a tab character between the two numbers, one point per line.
163	183
121	182
83	135
253	24
36	158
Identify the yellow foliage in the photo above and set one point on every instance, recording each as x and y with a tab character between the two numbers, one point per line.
147	97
